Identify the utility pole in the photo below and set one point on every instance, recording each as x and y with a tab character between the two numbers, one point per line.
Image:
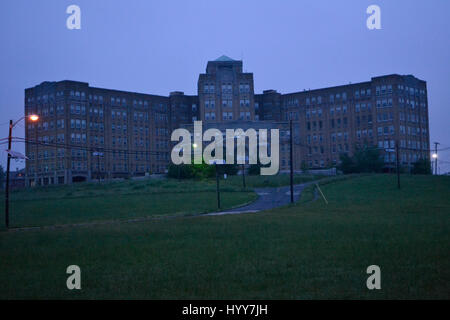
243	175
398	164
8	164
435	158
98	166
218	189
291	154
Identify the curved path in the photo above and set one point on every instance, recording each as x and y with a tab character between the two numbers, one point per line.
268	198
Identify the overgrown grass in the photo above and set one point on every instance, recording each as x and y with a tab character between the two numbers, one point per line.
308	251
258	181
87	202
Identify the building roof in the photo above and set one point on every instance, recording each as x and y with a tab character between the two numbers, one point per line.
224	58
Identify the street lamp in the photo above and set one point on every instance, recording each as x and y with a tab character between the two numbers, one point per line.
12	124
434	156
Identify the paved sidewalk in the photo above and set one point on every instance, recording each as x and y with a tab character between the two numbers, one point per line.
268	198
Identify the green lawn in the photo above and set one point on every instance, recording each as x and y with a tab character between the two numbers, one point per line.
306	251
127	199
119	200
279	180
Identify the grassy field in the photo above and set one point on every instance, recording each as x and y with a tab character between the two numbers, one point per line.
306	251
119	200
127	199
258	181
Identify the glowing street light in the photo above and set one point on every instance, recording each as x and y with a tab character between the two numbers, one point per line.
32	117
434	155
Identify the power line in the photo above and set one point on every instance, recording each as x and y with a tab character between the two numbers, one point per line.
87	148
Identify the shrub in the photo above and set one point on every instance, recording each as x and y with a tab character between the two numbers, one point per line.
254	169
199	171
421	166
365	159
182	171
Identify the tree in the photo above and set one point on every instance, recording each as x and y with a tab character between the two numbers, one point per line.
368	159
255	169
365	159
347	165
421	166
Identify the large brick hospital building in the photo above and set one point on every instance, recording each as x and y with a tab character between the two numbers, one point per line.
86	132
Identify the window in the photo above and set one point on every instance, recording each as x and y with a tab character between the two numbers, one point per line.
227	103
244	88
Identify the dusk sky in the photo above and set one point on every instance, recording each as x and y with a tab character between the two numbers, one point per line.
161	46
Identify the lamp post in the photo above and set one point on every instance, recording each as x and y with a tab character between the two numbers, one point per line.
8	163
435	157
243	175
216	163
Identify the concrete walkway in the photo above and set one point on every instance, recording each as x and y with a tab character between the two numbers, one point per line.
268	198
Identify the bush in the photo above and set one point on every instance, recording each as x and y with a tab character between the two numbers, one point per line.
199	171
182	171
365	159
254	169
421	166
229	169
304	167
203	171
347	164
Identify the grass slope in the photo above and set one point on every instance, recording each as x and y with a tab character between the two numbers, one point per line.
119	200
309	250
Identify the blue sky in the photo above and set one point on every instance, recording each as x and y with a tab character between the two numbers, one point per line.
161	46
